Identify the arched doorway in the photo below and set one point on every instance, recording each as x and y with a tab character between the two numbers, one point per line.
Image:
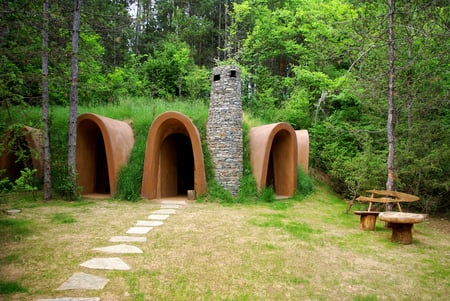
176	166
173	158
273	156
103	148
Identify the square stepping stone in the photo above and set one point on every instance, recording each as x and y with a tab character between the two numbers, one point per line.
83	281
128	239
120	249
71	299
164	211
139	230
158	217
169	206
173	202
113	263
149	223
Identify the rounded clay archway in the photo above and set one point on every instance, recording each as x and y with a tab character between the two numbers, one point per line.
103	148
31	145
273	156
173	158
303	149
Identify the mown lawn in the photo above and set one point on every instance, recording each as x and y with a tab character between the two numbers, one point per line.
285	250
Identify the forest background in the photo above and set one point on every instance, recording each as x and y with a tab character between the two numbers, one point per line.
318	65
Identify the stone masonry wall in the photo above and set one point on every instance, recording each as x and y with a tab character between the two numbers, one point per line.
224	129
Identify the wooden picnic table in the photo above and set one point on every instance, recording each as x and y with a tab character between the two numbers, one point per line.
368	218
387	196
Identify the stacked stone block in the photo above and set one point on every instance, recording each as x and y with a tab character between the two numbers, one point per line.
224	129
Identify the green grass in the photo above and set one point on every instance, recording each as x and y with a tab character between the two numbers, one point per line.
62	218
14	229
305	249
11	288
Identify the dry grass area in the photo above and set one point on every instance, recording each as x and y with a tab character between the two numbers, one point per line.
287	250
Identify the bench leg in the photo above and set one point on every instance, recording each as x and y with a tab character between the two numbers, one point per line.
401	233
367	222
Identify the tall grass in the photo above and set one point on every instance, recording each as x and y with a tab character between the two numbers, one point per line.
140	112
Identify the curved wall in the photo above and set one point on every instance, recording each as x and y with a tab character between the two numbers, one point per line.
273	156
32	140
173	160
103	147
303	149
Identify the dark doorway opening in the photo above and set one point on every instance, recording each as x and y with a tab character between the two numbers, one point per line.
176	166
279	164
101	167
16	157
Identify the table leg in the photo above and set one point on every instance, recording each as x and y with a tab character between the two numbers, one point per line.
367	222
401	233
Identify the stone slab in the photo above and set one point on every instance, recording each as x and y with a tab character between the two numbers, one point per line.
113	263
83	281
164	211
173	202
128	239
149	223
120	249
169	206
71	299
139	230
159	217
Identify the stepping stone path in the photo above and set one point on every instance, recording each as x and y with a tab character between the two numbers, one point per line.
83	281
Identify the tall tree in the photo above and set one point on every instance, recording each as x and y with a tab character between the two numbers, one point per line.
73	111
390	184
45	104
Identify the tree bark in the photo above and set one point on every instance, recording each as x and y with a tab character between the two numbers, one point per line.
73	112
390	184
45	105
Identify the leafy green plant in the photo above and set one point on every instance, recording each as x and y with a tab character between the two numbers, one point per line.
26	182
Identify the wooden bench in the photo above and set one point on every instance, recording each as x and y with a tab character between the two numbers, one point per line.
368	218
402	224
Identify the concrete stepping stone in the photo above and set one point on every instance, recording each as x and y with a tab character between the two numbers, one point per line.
164	211
83	281
149	223
139	230
173	202
120	249
113	263
169	206
128	239
158	217
71	299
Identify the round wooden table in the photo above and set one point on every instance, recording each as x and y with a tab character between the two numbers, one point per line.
401	224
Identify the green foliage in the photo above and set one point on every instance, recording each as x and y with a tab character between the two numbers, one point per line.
304	183
26	182
267	194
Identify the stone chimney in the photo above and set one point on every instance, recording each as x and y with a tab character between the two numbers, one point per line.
224	129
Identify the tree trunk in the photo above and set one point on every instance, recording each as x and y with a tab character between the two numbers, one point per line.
390	184
73	113
45	105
